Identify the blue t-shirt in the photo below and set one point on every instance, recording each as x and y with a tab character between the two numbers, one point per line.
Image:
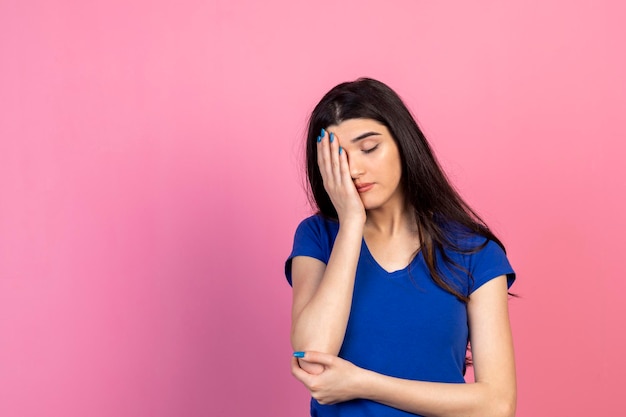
402	323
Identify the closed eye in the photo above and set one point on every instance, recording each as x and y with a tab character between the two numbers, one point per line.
370	149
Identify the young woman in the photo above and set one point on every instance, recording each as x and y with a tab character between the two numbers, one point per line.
395	275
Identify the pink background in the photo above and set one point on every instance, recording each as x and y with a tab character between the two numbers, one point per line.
150	184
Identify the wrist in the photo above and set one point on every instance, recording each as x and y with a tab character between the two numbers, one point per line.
352	222
351	230
364	382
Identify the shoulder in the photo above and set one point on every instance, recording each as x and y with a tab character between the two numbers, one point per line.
489	261
479	255
317	226
314	238
461	238
318	220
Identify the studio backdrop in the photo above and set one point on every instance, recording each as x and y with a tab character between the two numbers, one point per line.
151	179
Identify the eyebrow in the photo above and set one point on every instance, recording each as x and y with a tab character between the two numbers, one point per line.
365	135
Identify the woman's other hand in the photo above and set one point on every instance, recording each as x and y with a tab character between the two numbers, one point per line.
338	381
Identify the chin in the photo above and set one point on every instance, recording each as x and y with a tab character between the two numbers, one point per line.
370	206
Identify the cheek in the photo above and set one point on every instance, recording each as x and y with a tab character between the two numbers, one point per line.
395	177
393	166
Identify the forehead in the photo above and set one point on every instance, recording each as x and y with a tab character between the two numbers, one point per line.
352	128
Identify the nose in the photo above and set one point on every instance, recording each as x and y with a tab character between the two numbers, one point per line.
356	168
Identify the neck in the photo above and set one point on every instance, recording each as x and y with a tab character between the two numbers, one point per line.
391	220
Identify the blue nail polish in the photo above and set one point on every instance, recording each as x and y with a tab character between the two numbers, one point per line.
323	133
319	139
340	149
332	137
298	354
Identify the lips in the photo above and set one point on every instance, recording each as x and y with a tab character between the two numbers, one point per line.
361	188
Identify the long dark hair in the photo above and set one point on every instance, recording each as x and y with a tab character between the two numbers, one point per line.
442	215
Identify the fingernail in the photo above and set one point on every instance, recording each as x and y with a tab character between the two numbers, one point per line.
319	139
332	137
340	149
298	354
323	132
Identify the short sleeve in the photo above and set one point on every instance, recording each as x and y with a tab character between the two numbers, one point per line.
314	237
488	263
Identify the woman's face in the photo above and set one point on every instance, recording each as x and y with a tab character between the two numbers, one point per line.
374	161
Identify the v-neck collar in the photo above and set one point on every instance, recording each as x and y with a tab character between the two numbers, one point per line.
373	260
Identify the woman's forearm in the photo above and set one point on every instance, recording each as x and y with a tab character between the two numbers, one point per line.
320	324
485	399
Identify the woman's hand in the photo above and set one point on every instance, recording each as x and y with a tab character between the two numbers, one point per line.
338	382
333	165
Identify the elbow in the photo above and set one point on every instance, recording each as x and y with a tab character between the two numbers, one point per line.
507	410
497	401
298	338
504	407
299	344
301	341
314	341
313	345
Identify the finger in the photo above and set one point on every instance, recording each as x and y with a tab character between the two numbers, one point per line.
344	166
323	157
334	156
320	153
321	358
299	373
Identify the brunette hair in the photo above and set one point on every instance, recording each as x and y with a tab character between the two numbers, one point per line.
443	218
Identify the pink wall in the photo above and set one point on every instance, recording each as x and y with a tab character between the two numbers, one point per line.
150	186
